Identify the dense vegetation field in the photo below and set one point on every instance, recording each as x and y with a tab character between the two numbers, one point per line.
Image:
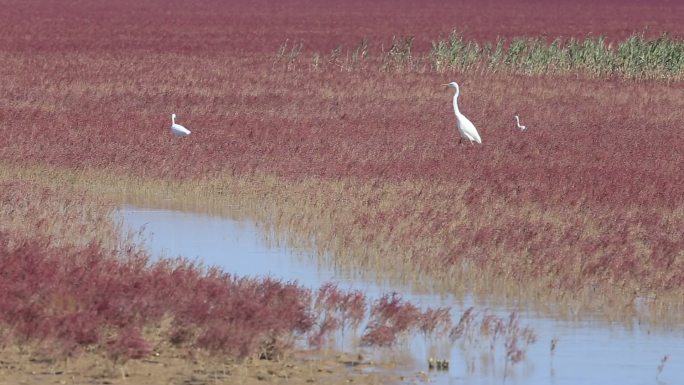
237	26
326	119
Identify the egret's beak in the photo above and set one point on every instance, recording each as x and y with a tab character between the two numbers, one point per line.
445	85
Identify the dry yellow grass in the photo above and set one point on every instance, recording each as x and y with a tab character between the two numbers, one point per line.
62	216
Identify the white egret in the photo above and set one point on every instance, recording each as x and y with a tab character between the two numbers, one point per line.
465	127
176	129
517	120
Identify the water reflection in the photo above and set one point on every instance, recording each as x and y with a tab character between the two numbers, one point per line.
587	352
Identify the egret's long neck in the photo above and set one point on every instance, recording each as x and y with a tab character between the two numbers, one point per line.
456	102
517	120
173	119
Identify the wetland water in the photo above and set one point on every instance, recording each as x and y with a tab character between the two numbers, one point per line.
588	352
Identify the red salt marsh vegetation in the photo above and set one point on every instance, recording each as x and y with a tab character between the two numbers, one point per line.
249	27
364	160
585	186
74	286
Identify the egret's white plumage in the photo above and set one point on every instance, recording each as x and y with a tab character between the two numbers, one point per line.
177	129
465	127
517	121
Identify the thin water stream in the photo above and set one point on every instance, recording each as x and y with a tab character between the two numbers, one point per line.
587	352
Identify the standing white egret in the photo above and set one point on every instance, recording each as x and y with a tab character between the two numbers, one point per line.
176	129
465	127
517	120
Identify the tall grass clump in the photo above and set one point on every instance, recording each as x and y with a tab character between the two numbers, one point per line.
454	52
399	56
636	57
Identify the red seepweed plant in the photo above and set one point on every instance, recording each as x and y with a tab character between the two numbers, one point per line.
77	298
391	317
336	309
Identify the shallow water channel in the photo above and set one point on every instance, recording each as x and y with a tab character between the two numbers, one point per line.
587	352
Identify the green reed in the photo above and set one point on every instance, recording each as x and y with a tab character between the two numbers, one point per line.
636	57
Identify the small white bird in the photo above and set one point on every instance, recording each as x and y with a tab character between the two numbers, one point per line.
465	127
517	120
176	129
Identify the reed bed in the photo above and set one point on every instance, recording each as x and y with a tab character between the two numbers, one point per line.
636	57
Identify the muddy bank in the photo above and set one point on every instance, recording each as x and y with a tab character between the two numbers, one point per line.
178	367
